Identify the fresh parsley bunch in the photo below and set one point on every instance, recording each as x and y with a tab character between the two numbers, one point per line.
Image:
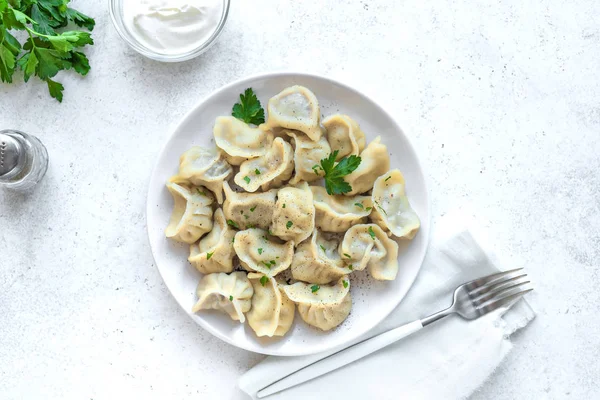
46	51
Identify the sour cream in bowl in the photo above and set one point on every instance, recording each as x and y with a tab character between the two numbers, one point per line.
169	30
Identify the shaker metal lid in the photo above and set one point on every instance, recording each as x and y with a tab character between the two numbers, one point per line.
11	155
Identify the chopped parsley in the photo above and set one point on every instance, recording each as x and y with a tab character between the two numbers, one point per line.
371	232
351	267
264	280
289	224
246	216
230	298
316	168
381	208
334	173
201	192
345	284
347	255
322	247
270	232
266	264
369	208
233	223
247	179
388	178
314	288
260	250
283	206
209	255
257	171
233	239
272	262
251	226
359	205
252	209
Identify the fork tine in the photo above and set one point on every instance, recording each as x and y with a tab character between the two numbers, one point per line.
498	290
489	307
479	284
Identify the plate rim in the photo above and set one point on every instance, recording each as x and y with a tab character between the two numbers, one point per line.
270	75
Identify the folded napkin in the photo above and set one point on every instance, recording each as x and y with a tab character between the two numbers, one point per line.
449	359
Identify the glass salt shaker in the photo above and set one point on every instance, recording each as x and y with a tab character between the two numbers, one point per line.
23	160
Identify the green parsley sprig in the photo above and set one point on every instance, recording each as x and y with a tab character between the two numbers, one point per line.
334	173
249	109
46	51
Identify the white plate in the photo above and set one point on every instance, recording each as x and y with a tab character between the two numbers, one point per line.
372	300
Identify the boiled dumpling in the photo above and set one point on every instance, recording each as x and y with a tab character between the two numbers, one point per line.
294	214
259	252
231	293
392	210
344	135
192	215
249	210
239	141
367	245
323	307
338	213
269	170
375	161
318	261
272	312
206	167
214	252
295	108
307	156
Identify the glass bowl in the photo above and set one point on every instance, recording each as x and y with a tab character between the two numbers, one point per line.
116	14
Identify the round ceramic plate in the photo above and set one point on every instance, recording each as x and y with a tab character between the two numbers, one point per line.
372	300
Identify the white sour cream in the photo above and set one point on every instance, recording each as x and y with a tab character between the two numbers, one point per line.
172	26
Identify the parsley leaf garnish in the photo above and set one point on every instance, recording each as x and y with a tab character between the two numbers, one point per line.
371	232
264	280
249	109
345	284
314	288
334	173
209	255
316	169
289	224
260	250
233	223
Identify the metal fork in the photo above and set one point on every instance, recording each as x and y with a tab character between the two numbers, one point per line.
471	300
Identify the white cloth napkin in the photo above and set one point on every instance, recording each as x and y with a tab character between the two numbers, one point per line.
449	359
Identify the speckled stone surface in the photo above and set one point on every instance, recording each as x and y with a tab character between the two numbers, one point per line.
501	98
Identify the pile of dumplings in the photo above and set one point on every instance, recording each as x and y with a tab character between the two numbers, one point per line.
265	233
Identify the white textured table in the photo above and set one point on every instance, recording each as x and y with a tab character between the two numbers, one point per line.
502	98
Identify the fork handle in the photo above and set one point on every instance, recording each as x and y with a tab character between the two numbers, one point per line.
341	358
